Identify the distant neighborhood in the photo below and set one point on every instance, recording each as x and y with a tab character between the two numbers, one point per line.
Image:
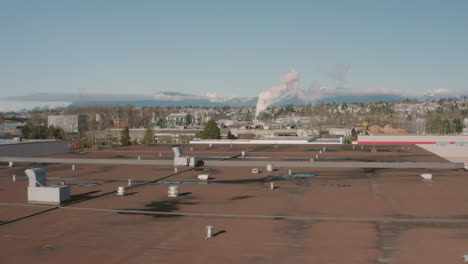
103	125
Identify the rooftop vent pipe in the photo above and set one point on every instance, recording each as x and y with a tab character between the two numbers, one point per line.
209	231
269	167
121	191
173	191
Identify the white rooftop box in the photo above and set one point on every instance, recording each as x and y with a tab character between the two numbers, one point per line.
41	193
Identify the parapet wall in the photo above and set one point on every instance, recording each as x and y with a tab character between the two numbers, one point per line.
437	140
33	149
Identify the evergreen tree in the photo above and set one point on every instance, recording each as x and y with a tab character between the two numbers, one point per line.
125	137
211	131
26	131
437	126
39	132
148	138
457	125
447	126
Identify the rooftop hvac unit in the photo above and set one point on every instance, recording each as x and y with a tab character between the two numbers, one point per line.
181	160
41	193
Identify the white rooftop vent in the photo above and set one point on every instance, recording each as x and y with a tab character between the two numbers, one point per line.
121	191
209	231
269	167
426	176
465	258
255	170
204	177
173	191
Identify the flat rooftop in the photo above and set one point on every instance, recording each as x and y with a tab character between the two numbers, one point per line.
314	215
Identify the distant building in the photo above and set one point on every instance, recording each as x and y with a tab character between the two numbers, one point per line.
161	135
345	132
11	129
180	119
69	123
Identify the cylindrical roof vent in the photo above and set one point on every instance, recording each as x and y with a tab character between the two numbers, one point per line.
269	167
209	231
173	191
121	191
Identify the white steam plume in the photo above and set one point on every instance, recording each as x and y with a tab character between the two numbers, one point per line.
288	83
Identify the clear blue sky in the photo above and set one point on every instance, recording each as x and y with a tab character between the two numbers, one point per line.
229	47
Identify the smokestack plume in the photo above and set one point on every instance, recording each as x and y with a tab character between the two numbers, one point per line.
288	83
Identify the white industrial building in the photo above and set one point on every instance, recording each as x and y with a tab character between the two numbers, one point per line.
69	123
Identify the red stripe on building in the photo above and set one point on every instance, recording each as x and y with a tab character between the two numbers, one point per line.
395	142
